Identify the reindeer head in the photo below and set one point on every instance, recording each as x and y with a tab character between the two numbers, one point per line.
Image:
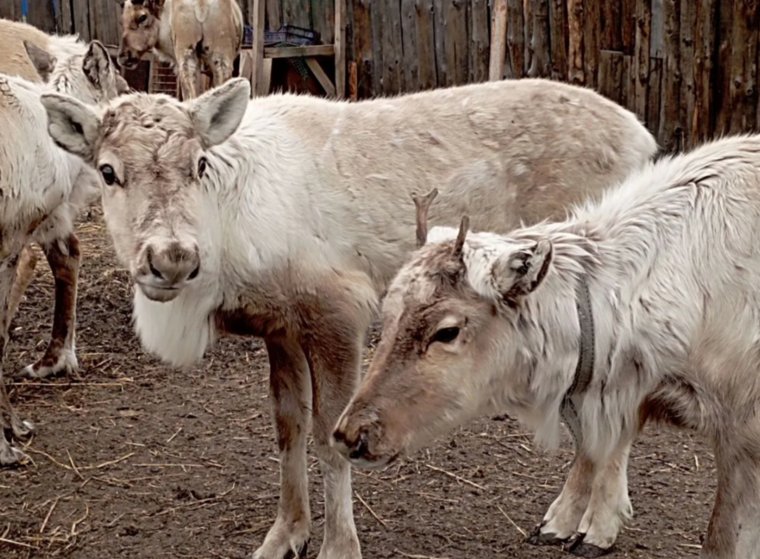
140	23
450	329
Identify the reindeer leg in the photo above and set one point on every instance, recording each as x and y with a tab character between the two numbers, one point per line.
564	515
187	70
24	275
221	68
334	350
733	529
592	506
290	391
12	425
63	258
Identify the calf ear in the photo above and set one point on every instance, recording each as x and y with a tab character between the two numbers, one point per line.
519	272
217	113
97	65
121	85
73	125
43	61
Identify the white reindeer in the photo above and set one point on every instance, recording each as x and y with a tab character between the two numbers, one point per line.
42	188
642	305
290	225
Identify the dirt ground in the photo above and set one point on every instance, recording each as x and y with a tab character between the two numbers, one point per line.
133	459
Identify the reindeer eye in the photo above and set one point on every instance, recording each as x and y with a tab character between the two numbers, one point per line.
202	166
109	176
446	335
141	19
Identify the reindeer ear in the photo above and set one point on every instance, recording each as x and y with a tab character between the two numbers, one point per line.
517	273
43	61
97	65
74	126
217	113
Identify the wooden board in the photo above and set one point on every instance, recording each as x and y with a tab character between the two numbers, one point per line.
498	51
478	41
670	128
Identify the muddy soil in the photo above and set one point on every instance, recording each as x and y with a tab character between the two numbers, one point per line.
133	459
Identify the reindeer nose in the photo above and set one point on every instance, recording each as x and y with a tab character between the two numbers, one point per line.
353	449
173	264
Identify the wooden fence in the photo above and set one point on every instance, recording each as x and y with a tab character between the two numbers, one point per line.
688	68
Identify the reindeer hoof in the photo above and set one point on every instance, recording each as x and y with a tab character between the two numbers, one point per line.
10	456
301	552
579	548
536	537
20	429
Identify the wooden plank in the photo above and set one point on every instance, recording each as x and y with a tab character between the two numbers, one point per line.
722	94
8	11
629	82
702	124
611	26
105	22
323	19
273	14
294	52
362	46
654	87
353	81
81	19
670	130
391	44
628	30
257	56
376	35
40	15
575	50
66	24
743	76
321	76
409	46
478	43
516	37
558	38
528	32
641	57
426	52
591	32
611	75
457	40
339	40
540	65
498	54
657	30
297	12
687	30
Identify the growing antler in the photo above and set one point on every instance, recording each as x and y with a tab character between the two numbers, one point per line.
464	225
423	205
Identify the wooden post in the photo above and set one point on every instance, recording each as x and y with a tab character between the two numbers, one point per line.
340	49
257	52
669	132
353	81
558	39
575	42
498	55
516	37
539	41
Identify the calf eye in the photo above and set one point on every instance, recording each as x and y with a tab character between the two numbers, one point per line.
201	166
108	174
446	335
141	19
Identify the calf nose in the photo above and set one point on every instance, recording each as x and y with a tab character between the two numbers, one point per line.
174	264
354	448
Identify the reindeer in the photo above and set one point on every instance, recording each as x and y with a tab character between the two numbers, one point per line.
282	218
43	188
186	33
642	305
